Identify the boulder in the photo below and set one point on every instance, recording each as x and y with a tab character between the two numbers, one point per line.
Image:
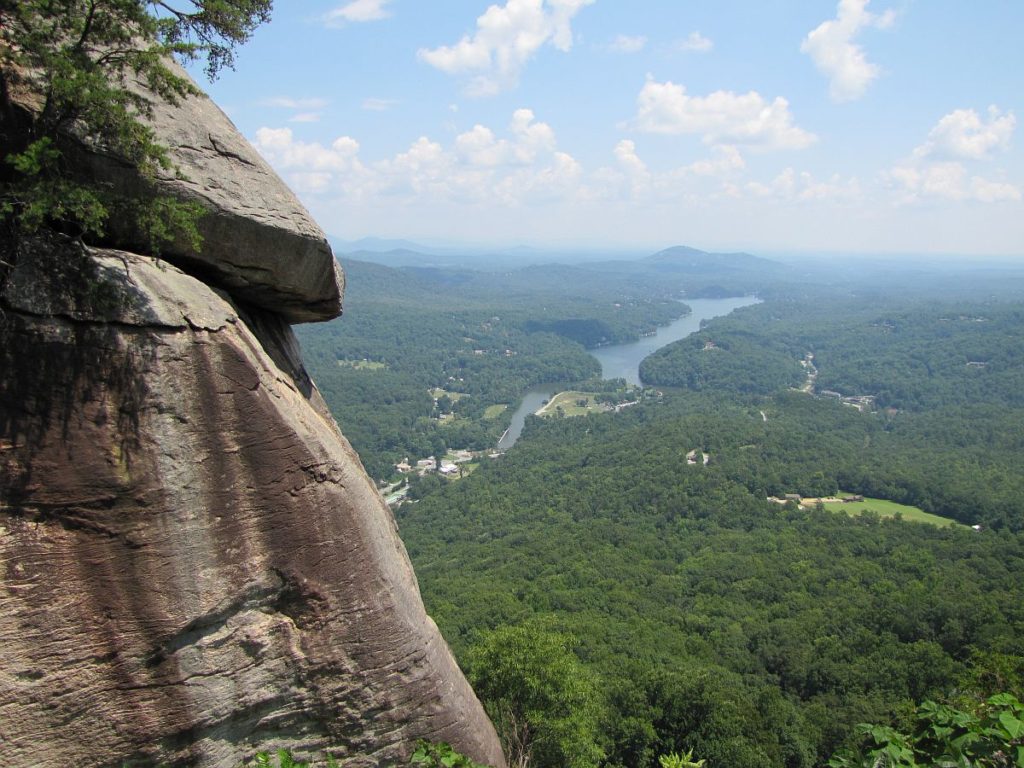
193	563
258	241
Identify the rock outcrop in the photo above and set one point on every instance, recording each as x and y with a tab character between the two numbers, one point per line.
194	563
259	242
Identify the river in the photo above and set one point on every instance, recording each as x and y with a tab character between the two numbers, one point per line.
622	361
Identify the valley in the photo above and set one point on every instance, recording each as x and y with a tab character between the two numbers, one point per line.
705	616
506	472
622	361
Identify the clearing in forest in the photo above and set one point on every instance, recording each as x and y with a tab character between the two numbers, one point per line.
494	411
886	508
362	365
572	403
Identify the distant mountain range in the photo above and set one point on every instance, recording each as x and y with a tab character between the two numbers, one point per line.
406	253
378	245
683	257
680	258
400	257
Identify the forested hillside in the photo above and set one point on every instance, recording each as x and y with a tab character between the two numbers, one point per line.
644	563
754	633
482	338
910	354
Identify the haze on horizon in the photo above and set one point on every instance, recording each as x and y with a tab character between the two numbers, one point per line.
858	126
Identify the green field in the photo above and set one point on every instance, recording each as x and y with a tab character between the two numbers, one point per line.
362	365
569	403
437	392
889	509
494	411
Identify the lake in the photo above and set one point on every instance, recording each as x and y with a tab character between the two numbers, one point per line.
622	361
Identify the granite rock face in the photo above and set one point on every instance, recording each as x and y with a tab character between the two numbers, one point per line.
193	563
259	242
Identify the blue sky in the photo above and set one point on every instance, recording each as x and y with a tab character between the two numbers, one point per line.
857	126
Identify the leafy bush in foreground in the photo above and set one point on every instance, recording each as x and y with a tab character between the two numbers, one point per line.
989	736
427	755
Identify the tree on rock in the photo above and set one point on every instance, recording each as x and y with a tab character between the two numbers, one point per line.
87	72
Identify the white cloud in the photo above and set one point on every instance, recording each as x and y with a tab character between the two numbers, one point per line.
986	191
480	147
634	169
378	105
722	117
782	185
938	168
695	41
947	181
630	178
726	160
532	138
357	11
522	167
962	134
308	108
792	186
425	169
287	102
629	161
311	182
832	48
506	38
557	180
301	159
628	44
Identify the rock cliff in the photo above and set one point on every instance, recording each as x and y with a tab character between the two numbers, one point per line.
193	563
259	242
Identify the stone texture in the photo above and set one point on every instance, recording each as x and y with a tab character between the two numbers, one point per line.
193	563
259	242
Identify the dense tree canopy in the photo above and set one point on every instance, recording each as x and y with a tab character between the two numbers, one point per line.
480	338
753	633
543	702
712	620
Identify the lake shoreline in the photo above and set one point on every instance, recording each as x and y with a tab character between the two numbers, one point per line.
622	361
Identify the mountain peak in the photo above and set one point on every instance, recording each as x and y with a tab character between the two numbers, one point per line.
686	257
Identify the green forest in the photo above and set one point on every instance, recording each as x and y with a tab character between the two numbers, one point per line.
753	633
482	337
628	602
655	582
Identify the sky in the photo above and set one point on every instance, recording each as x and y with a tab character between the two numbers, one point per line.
803	126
